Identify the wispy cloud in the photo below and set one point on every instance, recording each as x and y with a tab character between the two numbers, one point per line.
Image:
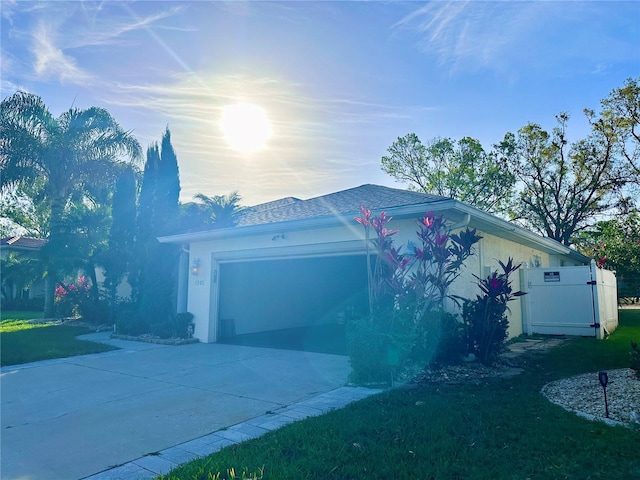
51	61
473	35
60	36
509	37
102	30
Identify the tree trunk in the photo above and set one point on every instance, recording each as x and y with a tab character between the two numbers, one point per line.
53	251
49	294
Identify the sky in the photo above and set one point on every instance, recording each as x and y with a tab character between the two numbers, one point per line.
338	81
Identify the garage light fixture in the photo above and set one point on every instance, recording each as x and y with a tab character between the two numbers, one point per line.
195	266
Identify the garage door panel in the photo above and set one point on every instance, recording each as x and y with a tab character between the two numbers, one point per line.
276	294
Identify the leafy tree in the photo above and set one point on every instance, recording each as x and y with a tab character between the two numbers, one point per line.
24	211
621	113
86	225
564	186
462	170
75	155
219	211
19	272
615	244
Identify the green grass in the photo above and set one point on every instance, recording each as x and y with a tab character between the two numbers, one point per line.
501	429
22	341
19	315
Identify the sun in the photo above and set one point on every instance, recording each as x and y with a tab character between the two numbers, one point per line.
246	127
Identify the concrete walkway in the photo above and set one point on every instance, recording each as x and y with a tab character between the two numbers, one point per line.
137	412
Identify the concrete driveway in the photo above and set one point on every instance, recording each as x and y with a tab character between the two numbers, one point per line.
71	418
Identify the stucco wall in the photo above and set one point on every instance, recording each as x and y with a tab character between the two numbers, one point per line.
348	238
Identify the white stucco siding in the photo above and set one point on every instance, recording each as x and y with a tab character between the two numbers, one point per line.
492	249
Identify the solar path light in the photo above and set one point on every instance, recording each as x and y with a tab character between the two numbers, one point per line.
604	380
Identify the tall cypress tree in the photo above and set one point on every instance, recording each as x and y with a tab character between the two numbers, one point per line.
121	235
158	215
168	187
144	221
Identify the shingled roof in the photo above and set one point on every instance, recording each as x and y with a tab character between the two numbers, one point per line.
345	202
23	243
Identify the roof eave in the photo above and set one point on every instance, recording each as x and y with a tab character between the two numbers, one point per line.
457	210
522	235
404	211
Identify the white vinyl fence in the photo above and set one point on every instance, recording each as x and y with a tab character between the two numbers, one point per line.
570	301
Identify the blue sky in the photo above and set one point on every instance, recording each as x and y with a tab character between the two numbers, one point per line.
339	81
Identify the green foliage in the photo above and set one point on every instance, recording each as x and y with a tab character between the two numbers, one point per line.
460	170
621	113
219	211
36	303
452	343
184	325
25	209
167	192
154	270
565	186
69	296
76	156
117	258
24	342
128	319
406	295
615	245
634	358
19	272
485	318
379	347
230	474
95	311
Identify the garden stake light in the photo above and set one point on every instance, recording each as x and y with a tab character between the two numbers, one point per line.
604	380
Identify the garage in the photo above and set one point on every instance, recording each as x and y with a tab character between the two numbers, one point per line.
296	268
300	303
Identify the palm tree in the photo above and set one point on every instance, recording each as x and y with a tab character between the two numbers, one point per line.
77	154
220	210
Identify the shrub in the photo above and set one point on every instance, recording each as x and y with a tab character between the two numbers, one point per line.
484	317
34	304
94	311
184	325
128	320
68	297
451	344
406	296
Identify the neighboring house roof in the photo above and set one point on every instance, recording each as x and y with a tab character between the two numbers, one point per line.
340	207
22	243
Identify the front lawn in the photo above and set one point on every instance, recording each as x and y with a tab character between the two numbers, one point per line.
502	429
22	341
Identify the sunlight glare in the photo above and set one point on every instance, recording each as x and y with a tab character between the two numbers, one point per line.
245	126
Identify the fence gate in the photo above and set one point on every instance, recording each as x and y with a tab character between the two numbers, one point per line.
578	301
